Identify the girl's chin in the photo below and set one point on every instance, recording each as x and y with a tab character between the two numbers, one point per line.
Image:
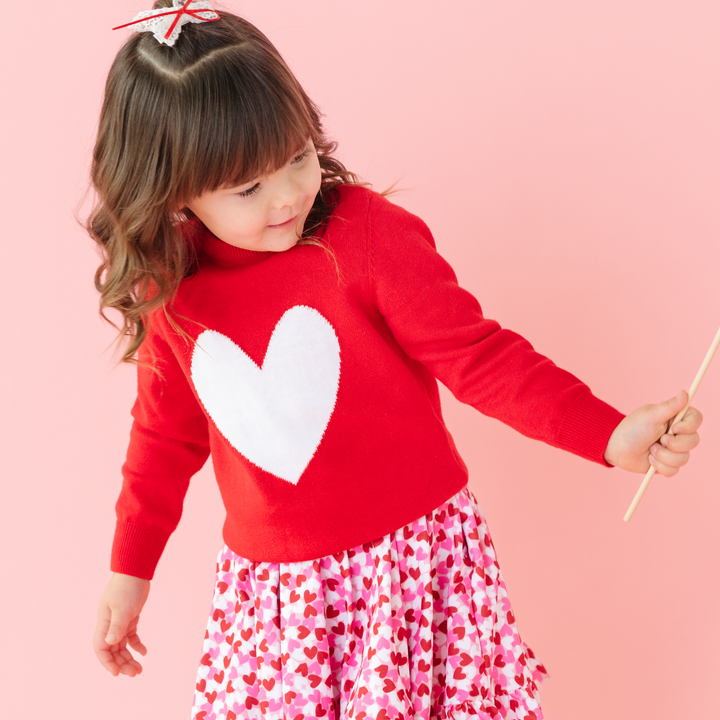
279	244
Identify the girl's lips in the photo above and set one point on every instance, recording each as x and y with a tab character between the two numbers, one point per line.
287	223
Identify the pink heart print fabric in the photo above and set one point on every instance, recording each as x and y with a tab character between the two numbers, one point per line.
416	624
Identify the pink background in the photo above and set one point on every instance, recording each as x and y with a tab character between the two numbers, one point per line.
567	157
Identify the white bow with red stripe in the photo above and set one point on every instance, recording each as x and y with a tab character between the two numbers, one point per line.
165	24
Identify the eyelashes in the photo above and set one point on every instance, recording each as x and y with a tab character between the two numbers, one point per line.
249	191
295	161
299	158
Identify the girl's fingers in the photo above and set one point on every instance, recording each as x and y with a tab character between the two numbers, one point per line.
669	458
680	443
125	662
136	644
106	659
116	658
131	668
661	468
690	423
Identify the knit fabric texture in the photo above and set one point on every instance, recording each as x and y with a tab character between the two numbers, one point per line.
311	376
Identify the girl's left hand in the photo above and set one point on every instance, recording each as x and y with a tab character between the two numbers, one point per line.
641	439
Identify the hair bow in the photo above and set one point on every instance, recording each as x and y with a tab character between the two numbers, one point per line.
166	24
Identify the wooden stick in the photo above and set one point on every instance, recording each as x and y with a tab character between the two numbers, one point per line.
693	389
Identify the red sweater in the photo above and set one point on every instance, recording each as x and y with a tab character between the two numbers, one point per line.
311	378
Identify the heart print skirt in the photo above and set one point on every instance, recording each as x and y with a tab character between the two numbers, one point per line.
415	625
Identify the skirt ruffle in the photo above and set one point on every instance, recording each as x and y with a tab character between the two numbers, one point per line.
416	624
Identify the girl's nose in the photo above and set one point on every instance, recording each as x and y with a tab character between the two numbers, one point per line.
287	190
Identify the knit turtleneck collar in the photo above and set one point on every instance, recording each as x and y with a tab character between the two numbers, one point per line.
227	255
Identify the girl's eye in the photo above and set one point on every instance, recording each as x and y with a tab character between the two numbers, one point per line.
249	191
299	158
295	161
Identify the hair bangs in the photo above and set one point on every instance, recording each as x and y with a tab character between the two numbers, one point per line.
219	109
241	122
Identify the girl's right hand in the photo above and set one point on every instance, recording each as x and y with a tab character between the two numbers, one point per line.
117	623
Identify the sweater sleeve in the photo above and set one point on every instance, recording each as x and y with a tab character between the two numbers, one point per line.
168	445
493	369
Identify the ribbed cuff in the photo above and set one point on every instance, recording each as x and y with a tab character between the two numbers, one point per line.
587	426
137	548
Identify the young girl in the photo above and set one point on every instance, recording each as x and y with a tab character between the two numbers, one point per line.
293	323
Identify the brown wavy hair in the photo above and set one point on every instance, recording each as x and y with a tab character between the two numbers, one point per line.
218	108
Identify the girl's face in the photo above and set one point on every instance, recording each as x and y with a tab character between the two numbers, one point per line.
267	213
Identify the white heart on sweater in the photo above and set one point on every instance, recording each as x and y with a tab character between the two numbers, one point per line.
274	415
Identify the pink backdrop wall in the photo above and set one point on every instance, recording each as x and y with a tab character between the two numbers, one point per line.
567	157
